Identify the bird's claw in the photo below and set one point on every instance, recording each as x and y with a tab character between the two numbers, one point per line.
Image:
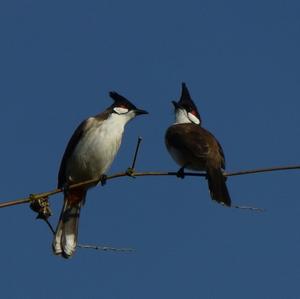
103	179
66	189
180	173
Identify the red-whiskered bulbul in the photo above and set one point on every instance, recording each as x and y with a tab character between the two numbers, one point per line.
195	148
88	155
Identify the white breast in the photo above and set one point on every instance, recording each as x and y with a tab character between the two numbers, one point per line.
96	151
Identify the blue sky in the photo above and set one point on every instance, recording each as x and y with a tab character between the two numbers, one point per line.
240	60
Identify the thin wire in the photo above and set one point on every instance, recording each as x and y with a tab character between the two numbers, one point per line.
136	152
136	174
106	248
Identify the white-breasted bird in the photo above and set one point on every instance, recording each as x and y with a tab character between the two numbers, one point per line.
195	148
88	155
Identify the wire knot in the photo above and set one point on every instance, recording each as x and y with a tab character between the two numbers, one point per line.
41	206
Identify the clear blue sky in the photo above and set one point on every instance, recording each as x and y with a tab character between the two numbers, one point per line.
240	59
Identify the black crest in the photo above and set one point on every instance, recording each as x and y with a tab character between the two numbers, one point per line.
120	101
186	101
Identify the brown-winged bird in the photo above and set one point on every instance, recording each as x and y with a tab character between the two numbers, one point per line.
195	148
89	154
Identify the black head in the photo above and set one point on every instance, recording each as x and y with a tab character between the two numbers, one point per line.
122	106
186	103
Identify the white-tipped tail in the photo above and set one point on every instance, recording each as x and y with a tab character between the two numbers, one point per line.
65	238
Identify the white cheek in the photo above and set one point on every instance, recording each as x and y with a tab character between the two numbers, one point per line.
120	110
122	118
193	118
181	117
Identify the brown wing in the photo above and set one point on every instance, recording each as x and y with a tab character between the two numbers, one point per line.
188	137
196	141
77	135
221	152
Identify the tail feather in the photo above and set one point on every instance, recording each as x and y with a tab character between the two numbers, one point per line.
56	244
65	238
217	186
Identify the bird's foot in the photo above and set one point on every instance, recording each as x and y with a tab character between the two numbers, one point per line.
103	179
180	173
66	188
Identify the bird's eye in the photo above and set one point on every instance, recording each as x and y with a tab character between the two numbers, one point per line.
120	110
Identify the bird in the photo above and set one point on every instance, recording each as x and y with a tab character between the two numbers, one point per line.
195	148
88	155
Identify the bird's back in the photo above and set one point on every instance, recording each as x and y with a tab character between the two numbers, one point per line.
193	146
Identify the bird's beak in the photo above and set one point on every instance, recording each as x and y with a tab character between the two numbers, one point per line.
176	105
139	112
